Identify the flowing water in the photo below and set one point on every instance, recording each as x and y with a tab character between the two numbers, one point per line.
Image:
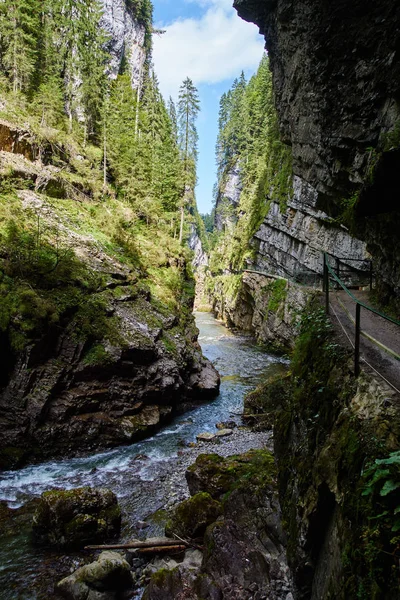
142	475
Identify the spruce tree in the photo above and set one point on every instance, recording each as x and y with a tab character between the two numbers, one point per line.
19	30
188	109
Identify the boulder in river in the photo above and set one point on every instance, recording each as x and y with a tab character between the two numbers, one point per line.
99	580
205	437
73	518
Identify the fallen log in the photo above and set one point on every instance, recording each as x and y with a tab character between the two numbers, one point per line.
149	543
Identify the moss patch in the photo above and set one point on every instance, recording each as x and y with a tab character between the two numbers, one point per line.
192	516
219	476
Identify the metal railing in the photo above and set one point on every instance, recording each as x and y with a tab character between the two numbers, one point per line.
330	273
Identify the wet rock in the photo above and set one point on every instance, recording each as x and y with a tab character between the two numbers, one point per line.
224	433
205	437
191	517
206	382
76	517
226	425
99	580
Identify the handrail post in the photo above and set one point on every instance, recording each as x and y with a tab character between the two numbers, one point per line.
370	275
357	341
337	272
326	285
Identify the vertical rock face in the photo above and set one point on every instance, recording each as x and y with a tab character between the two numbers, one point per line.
200	258
291	242
228	199
336	73
127	39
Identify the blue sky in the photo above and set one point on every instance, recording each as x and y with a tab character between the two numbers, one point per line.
206	41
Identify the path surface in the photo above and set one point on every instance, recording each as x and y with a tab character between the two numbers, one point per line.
383	331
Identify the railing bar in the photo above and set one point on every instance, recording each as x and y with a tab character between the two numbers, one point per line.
367	335
373	310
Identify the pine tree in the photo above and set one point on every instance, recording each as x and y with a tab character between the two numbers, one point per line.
19	30
188	109
174	118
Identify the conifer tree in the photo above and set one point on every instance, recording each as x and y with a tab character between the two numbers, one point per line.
19	27
188	109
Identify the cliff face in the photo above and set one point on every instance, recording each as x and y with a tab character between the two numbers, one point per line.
290	242
228	199
336	74
91	356
126	39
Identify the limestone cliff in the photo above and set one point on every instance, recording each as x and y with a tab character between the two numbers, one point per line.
266	307
228	199
126	39
336	74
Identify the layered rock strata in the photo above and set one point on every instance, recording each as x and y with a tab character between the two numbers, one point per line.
291	242
73	385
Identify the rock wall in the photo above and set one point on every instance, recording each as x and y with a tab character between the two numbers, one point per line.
126	39
266	307
200	258
228	199
336	74
329	430
291	242
71	385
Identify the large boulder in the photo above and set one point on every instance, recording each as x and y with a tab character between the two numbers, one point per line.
192	516
99	580
73	518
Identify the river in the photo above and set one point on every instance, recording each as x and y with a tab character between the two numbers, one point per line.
147	477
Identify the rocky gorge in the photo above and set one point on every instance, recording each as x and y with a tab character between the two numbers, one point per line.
284	491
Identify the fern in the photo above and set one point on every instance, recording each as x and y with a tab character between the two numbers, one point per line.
383	479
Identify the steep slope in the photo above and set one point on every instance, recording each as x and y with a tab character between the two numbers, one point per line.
93	353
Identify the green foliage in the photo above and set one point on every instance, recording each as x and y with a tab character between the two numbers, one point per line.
188	109
40	282
347	211
383	481
278	293
392	138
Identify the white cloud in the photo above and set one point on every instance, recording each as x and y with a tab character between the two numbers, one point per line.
210	49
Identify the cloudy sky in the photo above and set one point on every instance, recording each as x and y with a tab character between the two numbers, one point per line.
206	41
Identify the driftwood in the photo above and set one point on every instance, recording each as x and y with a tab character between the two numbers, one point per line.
152	545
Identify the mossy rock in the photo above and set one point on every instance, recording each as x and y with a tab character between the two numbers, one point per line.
76	517
109	572
218	476
192	516
164	584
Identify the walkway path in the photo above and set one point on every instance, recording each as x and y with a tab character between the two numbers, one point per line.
383	331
